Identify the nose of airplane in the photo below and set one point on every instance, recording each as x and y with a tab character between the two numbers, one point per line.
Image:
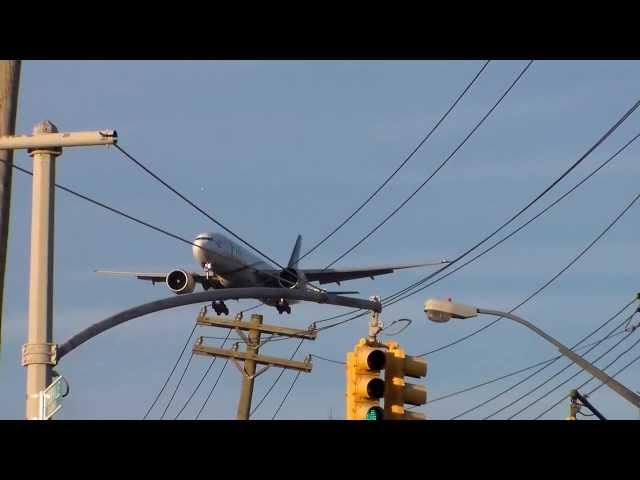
198	250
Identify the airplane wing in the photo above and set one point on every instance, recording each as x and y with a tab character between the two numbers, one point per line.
152	277
337	275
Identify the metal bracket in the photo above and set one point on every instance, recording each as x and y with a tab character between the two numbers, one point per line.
259	372
243	337
241	368
375	324
39	353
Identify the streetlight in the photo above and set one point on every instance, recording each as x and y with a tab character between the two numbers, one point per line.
443	310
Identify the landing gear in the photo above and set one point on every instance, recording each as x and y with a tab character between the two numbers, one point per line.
283	306
220	307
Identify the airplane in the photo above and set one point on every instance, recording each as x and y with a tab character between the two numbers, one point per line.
226	264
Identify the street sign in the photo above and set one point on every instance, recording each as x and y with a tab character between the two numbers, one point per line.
51	397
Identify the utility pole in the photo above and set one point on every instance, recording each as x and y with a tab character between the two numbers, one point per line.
249	370
250	357
39	354
9	85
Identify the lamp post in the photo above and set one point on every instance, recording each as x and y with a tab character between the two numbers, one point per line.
443	310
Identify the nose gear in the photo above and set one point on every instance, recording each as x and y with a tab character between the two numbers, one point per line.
283	306
220	307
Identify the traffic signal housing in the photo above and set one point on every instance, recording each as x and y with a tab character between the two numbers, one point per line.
397	391
365	388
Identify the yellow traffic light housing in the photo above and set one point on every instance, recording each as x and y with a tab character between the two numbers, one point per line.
365	388
398	392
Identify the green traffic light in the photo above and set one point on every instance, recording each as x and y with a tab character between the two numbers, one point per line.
374	413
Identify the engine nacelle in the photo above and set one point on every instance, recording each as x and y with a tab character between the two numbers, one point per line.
289	278
180	282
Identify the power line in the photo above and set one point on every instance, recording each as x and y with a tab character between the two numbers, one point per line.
275	381
413	152
542	397
390	301
212	388
615	374
482	404
156	177
475	332
143	223
543	211
175	390
585	383
286	394
516	372
522	210
569	365
203	377
170	373
327	359
473	130
117	212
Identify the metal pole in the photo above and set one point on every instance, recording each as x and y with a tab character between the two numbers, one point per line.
209	296
244	405
610	382
9	84
39	353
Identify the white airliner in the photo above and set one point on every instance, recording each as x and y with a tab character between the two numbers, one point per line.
225	264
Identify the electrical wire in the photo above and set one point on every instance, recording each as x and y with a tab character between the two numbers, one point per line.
286	394
116	211
275	381
473	130
589	380
608	133
511	374
475	332
175	390
189	202
508	389
313	355
413	152
213	360
166	382
569	365
615	374
545	395
387	301
212	389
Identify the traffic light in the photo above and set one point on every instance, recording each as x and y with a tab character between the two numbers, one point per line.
397	392
365	388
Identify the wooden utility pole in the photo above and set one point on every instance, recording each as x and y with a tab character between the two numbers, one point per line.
249	370
250	357
9	84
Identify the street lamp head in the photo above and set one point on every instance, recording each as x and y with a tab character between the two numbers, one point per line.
441	311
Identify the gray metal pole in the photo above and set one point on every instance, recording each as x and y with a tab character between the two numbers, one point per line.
246	393
9	85
39	352
209	296
613	384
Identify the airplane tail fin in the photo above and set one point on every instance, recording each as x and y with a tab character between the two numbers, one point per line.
295	254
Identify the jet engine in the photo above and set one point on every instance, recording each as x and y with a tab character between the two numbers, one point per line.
289	278
180	282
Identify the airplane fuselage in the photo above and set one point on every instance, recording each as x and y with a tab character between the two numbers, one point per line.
232	264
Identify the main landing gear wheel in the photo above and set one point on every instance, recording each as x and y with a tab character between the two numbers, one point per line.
220	307
283	306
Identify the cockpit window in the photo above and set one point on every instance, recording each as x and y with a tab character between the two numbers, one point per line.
204	238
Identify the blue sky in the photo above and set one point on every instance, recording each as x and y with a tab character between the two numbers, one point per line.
277	148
